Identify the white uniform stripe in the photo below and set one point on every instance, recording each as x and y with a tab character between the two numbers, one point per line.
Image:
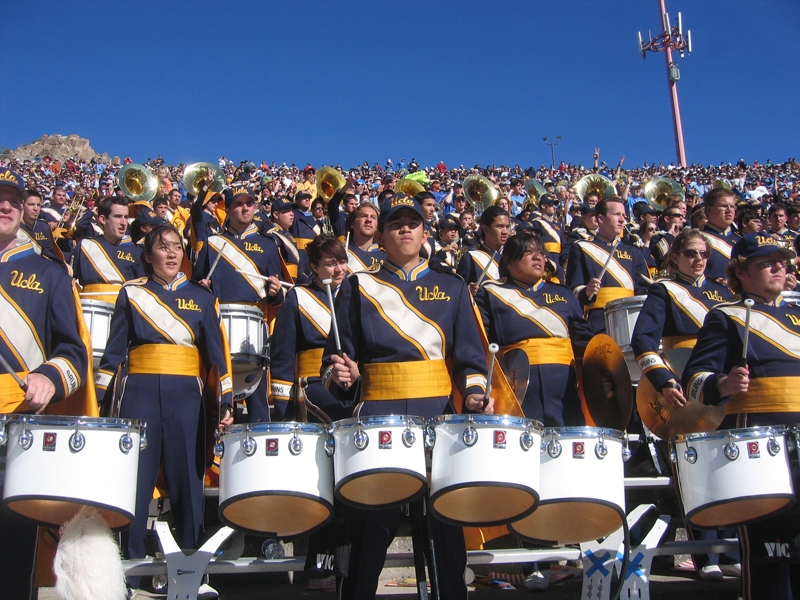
70	377
101	261
289	245
240	261
688	303
19	334
767	328
616	270
161	317
317	313
483	259
542	316
354	264
719	245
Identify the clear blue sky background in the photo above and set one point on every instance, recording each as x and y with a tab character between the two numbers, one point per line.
465	82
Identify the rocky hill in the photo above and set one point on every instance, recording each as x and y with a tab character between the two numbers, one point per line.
58	147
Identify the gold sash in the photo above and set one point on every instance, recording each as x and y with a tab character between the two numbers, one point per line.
678	341
12	398
546	351
164	359
767	395
405	380
93	288
308	363
607	294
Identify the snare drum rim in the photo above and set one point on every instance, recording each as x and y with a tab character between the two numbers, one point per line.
583	432
759	431
72	421
392	471
731	501
385	420
241	309
107	307
284	493
76	501
274	427
624	303
489	420
471	484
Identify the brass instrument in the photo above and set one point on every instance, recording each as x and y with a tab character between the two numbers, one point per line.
595	183
72	213
722	183
195	175
409	187
659	189
137	182
535	191
329	181
480	193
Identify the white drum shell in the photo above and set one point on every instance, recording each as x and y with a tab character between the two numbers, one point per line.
305	479
503	468
50	486
97	315
621	316
718	492
381	477
247	335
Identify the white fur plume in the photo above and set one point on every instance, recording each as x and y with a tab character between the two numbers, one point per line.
88	564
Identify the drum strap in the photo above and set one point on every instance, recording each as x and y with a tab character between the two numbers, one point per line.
607	294
678	341
767	395
301	243
12	398
308	363
545	351
164	359
112	288
405	380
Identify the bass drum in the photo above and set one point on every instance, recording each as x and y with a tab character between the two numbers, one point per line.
248	339
485	468
97	315
275	478
733	477
55	465
582	488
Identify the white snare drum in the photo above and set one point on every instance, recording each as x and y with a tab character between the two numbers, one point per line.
733	477
582	487
379	462
97	315
57	464
485	468
791	297
621	316
248	339
275	478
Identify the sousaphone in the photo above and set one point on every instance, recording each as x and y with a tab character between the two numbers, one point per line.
329	181
595	183
137	182
659	189
535	191
480	193
195	175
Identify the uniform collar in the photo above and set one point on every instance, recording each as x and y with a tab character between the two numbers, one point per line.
533	288
716	229
602	238
779	301
179	282
251	230
699	282
486	249
22	249
417	272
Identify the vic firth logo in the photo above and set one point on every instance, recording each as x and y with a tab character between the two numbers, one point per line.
777	549
553	298
714	296
18	280
187	305
125	256
253	247
434	294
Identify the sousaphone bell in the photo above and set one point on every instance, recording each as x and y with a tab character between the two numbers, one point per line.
595	183
535	191
480	193
194	176
137	182
659	189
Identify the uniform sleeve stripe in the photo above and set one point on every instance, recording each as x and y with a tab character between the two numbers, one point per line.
696	384
103	379
69	375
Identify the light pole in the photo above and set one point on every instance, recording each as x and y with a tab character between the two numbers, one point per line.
553	148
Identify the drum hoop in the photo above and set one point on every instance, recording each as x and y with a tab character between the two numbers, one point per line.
584	432
490	420
97	304
72	421
625	302
737	434
378	420
249	312
281	427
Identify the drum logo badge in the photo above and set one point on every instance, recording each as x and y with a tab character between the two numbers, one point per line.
752	450
578	450
272	446
49	442
385	440
499	438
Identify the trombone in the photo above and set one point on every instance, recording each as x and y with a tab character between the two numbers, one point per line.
75	209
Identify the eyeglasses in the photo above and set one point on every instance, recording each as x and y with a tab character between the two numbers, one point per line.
770	263
695	253
673	215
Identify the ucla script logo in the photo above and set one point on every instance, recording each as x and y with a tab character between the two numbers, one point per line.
187	305
253	247
121	255
434	294
714	296
18	280
623	254
794	319
553	298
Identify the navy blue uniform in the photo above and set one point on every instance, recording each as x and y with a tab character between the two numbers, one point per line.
304	229
41	235
361	260
474	262
97	260
721	243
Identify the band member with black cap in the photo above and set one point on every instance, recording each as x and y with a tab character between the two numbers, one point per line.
280	231
304	229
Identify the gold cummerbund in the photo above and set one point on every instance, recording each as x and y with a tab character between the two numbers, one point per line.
301	243
292	270
546	351
164	359
308	363
669	342
553	247
12	398
767	395
95	288
405	380
607	294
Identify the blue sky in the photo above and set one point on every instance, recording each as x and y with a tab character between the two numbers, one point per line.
465	82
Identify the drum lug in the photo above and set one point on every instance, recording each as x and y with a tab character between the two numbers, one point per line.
554	448
673	454
77	441
249	445
430	436
360	438
409	437
626	451
690	455
143	438
470	435
295	444
125	442
3	433
26	439
601	449
330	444
526	440
219	445
731	450
773	447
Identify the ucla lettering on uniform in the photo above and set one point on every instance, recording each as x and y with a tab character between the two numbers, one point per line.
187	305
125	256
623	254
18	280
794	319
714	295
253	247
434	294
553	298
402	201
40	237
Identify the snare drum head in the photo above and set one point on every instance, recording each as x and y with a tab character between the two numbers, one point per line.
564	523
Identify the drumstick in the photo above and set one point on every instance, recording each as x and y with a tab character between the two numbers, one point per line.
216	260
493	350
285	284
749	306
327	284
605	266
346	242
486	269
23	386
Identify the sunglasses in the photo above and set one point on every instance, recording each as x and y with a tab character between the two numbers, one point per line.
695	253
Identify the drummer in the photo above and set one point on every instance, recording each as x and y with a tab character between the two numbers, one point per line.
374	310
104	263
764	392
163	383
494	231
301	329
42	344
524	310
243	248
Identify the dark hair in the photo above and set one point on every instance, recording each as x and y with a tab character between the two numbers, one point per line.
710	199
104	206
150	240
792	210
422	196
383	195
737	264
746	216
159	201
602	207
491	214
317	202
351	218
35	193
775	208
679	244
325	244
516	247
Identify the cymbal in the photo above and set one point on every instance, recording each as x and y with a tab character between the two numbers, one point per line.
666	420
605	384
517	368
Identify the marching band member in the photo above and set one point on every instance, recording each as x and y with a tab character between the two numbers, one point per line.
41	341
243	249
203	222
283	217
405	319
551	233
304	229
37	229
104	263
660	244
764	392
494	228
720	209
427	202
776	216
626	273
526	311
362	251
168	328
448	254
302	326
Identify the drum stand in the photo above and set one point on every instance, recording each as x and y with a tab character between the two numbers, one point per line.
420	533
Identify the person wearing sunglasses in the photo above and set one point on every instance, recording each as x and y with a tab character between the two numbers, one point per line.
766	391
720	206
